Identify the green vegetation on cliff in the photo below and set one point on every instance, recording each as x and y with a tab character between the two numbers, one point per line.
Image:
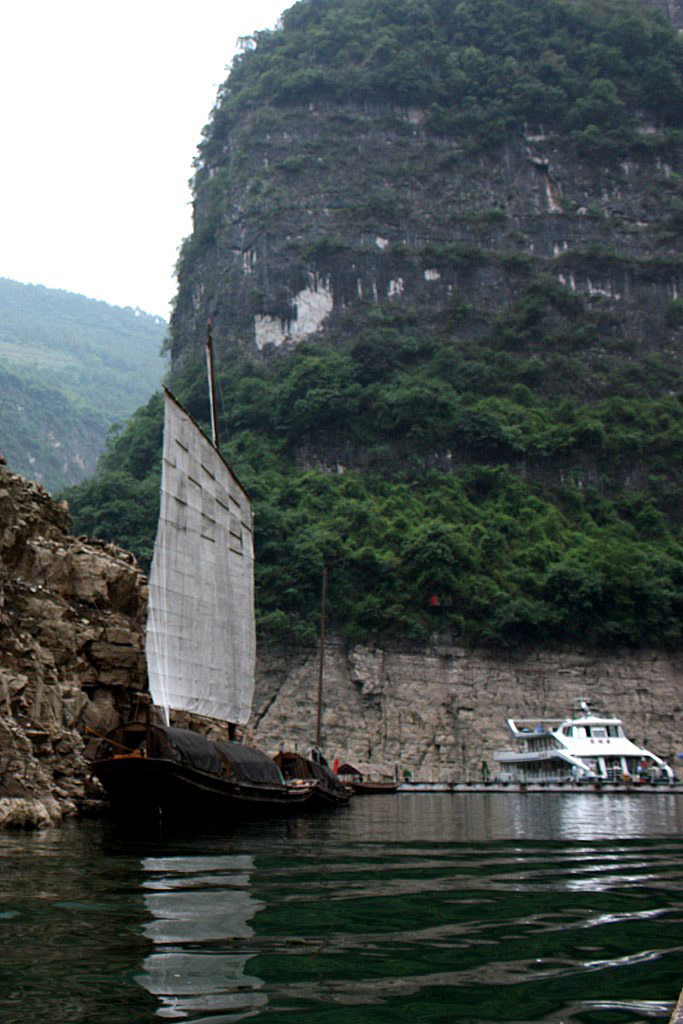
479	67
483	437
453	435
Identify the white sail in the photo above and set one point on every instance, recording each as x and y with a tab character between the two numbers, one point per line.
201	644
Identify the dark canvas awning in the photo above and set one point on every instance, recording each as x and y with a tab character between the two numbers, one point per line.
361	768
248	764
194	750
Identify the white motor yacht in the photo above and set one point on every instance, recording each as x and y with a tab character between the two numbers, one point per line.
587	747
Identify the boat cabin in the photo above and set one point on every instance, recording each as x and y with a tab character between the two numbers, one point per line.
368	778
585	747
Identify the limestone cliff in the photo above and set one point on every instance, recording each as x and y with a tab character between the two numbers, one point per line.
304	247
71	650
314	200
440	712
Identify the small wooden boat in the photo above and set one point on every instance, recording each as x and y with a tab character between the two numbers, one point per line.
367	778
329	791
299	769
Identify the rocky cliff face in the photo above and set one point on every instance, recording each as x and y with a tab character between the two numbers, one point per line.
310	207
71	652
306	238
531	250
440	712
328	213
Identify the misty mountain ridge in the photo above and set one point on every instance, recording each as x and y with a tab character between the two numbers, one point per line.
70	368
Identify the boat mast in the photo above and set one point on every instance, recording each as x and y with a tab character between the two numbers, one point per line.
323	614
232	728
212	389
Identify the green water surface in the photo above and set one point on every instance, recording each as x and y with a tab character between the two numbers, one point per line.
405	908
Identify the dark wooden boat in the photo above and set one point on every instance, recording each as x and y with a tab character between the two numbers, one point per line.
329	790
157	771
298	769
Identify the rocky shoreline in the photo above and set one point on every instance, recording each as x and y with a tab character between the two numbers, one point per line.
71	652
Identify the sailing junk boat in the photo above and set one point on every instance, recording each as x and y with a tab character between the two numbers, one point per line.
201	648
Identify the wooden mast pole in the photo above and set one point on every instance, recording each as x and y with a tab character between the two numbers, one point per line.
323	615
212	388
232	728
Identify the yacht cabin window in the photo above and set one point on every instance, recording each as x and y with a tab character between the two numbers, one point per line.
597	731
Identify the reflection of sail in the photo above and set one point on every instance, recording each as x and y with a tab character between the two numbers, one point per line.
199	906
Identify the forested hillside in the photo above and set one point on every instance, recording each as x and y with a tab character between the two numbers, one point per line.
439	245
69	368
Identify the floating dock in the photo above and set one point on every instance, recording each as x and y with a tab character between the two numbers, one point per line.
566	788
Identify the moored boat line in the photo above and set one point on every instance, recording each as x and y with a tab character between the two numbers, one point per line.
584	753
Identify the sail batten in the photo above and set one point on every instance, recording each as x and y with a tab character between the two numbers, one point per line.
200	624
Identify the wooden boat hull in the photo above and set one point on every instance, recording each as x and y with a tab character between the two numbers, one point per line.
145	788
328	797
365	788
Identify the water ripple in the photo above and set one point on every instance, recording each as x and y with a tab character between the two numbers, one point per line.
403	910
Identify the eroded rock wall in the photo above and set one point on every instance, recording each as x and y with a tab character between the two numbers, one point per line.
441	712
379	212
71	652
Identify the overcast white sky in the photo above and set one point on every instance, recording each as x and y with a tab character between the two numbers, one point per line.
103	104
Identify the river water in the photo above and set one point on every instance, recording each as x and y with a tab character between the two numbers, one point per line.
404	909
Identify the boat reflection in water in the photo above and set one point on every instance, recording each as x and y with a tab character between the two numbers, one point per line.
574	816
200	910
